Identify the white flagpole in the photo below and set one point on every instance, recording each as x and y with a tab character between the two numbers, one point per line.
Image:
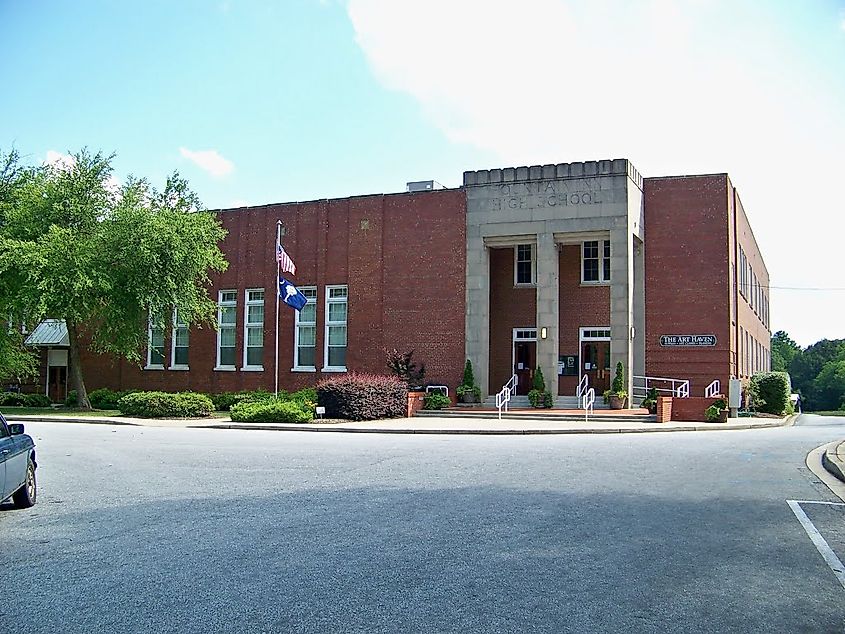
276	286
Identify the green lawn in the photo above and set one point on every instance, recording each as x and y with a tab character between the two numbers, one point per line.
837	413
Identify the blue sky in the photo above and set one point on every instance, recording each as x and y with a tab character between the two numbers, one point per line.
258	102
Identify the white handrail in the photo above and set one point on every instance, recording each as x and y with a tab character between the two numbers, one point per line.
713	389
587	402
642	385
583	384
504	395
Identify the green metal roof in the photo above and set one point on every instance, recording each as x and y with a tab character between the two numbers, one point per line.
50	332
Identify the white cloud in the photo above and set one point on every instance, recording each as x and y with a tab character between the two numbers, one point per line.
209	160
679	88
57	159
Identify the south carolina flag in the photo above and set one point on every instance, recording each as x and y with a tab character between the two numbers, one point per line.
290	294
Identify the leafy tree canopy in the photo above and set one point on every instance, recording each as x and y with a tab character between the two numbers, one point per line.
103	257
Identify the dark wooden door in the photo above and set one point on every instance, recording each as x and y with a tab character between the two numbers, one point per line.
595	356
57	385
525	360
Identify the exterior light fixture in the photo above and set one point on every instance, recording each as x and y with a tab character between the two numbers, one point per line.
543	332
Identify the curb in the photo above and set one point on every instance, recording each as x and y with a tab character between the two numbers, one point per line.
479	431
832	462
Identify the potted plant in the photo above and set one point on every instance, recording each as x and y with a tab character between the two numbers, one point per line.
538	396
650	401
717	412
468	391
618	393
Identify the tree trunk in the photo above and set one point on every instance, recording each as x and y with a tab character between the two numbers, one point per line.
76	382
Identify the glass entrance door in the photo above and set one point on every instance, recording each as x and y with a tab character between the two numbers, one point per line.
595	356
525	360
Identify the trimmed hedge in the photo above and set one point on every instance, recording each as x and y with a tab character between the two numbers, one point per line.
104	398
273	411
16	399
224	401
363	396
770	392
166	405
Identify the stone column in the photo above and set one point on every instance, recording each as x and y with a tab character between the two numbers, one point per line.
639	308
548	308
621	301
477	325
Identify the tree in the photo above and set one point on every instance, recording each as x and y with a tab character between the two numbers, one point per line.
784	350
105	259
830	386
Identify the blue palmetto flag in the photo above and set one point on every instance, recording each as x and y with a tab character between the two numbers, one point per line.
291	295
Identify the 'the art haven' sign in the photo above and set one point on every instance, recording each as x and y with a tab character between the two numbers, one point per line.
687	340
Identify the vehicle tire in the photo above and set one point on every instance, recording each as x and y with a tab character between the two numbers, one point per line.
25	496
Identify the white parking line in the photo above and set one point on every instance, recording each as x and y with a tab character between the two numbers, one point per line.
817	539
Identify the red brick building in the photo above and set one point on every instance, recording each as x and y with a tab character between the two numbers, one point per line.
568	267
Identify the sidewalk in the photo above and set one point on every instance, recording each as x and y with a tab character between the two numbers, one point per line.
432	425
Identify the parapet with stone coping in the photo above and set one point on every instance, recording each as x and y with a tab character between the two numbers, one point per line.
585	169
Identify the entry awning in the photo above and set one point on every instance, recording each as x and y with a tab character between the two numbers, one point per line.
50	332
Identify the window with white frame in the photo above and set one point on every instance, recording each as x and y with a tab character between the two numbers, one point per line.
305	331
155	344
227	304
254	329
336	312
525	269
595	261
179	343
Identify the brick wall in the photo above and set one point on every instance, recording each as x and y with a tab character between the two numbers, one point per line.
581	305
687	276
401	255
510	307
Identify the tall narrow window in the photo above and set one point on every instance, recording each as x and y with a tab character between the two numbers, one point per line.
336	303
226	307
305	332
155	344
605	269
179	343
254	330
595	261
525	264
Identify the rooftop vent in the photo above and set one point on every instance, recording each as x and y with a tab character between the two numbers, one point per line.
424	186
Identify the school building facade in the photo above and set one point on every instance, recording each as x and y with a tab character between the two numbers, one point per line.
570	267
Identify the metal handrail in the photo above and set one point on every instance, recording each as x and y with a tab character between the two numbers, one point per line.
587	402
583	384
713	389
504	395
679	388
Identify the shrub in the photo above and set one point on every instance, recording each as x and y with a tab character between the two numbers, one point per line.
402	367
166	405
547	400
224	401
306	396
272	411
469	375
618	386
650	400
104	398
434	400
770	392
71	399
539	381
363	396
713	414
16	399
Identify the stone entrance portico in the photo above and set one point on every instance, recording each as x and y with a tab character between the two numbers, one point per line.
550	206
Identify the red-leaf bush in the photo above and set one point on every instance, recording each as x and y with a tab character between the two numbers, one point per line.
363	396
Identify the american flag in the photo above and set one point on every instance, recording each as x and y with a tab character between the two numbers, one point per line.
285	263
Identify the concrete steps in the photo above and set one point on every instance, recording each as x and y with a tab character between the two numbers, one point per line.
562	402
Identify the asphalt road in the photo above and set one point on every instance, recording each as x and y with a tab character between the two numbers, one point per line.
191	530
